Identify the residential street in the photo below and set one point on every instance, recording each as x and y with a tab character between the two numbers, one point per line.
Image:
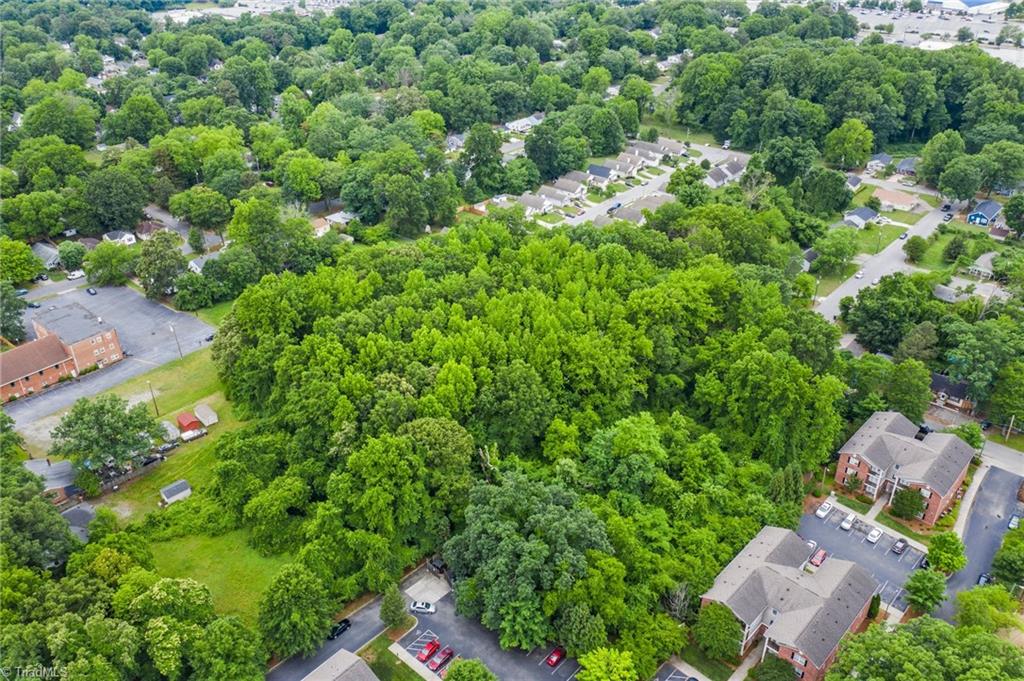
154	212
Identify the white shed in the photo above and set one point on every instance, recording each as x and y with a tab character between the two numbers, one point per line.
171	432
176	491
205	414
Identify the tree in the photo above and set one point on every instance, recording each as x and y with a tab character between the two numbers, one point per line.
773	668
1008	394
915	248
72	255
205	208
925	589
227	649
109	264
909	389
32	531
961	179
469	670
687	185
294	613
17	261
907	503
12	327
140	118
196	240
717	632
103	428
946	553
115	197
1008	564
964	34
392	607
1013	212
825	192
989	607
159	263
921	343
940	151
482	157
71	118
607	664
969	432
35	215
836	249
849	145
788	158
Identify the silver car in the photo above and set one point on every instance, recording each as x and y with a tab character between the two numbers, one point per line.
422	608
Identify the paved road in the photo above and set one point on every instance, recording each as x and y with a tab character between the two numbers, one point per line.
51	288
154	212
1001	456
995	501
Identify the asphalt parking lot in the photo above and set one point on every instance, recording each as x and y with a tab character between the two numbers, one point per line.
144	328
889	569
670	673
470	639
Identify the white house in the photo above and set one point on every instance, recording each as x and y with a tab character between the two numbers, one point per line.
574	188
340	219
524	125
512	150
48	254
878	162
556	197
196	264
120	237
534	204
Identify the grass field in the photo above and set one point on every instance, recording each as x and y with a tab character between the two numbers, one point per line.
713	669
384	663
831	282
235	573
679	132
550	218
905	216
885	518
876	237
215	315
932	258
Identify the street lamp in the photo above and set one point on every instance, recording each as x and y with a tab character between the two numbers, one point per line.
176	342
155	408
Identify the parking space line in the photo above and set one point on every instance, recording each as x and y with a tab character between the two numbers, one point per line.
574	672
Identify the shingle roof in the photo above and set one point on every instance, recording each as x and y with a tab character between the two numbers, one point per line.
809	611
566	185
882	158
988	208
717	176
853	180
342	666
28	358
887	439
45	252
944	384
174	489
907	164
576	176
599	171
863	212
72	322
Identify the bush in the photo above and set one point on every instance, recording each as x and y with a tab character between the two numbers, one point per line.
876	602
717	632
907	503
392	607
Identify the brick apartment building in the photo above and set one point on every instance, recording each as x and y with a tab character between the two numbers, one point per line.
69	340
802	616
888	454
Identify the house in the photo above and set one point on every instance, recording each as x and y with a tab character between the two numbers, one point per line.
735	167
171	432
853	182
574	188
982	267
860	217
342	666
946	393
998	233
652	157
878	162
512	150
320	227
716	177
948	294
802	616
455	141
896	200
47	254
340	219
601	176
89	242
146	229
635	160
89	341
669	62
623	169
663	146
810	255
34	366
176	491
206	415
120	237
196	264
534	204
577	176
187	421
634	212
886	455
907	166
78	518
556	197
984	213
524	125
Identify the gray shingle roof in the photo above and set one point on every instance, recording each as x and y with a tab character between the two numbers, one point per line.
882	158
342	666
174	489
809	611
888	439
599	171
988	208
863	212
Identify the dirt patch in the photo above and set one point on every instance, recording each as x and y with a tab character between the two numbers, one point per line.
122	509
37	434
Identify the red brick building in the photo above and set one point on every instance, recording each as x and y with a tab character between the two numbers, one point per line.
90	341
34	366
888	454
801	616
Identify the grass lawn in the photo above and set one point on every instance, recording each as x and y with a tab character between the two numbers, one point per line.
616	187
887	519
550	218
680	133
713	669
905	216
235	573
655	170
876	237
930	199
850	502
831	282
932	258
862	194
384	663
215	315
1016	441
594	197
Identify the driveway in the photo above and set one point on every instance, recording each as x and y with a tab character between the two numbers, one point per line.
994	503
889	569
158	214
144	328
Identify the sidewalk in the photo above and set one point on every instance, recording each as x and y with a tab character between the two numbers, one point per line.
965	504
876	508
752	658
834	500
411	662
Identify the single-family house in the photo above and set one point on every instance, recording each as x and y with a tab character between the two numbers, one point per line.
206	415
176	491
853	182
146	229
78	518
512	150
892	199
999	233
948	294
878	162
118	236
601	176
576	176
669	62
187	421
634	212
735	167
907	166
887	454
801	615
47	254
634	159
89	242
810	255
982	267
340	219
860	217
716	177
455	141
556	197
985	212
574	188
950	394
652	157
534	204
623	169
524	125
196	264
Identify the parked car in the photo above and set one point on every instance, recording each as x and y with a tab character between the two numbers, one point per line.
1014	522
429	650
75	274
859	275
811	545
899	546
874	282
726	144
556	656
444	672
947	217
34	305
21	292
190	435
339	628
91	291
42	277
923	564
946	207
874	535
903	235
615	206
824	510
984	578
441	659
422	608
819	558
166	447
848	521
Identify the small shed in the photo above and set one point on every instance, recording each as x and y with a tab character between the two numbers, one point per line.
206	414
171	432
176	491
187	421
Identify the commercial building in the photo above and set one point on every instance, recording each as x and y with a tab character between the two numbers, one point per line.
90	341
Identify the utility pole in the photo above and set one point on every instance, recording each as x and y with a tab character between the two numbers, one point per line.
176	342
1009	428
155	408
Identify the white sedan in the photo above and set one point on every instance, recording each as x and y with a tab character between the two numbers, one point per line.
823	510
859	275
874	535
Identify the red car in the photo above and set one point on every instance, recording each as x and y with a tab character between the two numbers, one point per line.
441	659
444	672
556	656
428	650
819	558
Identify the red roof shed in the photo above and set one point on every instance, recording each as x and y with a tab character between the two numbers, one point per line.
188	421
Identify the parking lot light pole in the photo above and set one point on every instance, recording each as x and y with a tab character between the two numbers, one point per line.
176	342
155	408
